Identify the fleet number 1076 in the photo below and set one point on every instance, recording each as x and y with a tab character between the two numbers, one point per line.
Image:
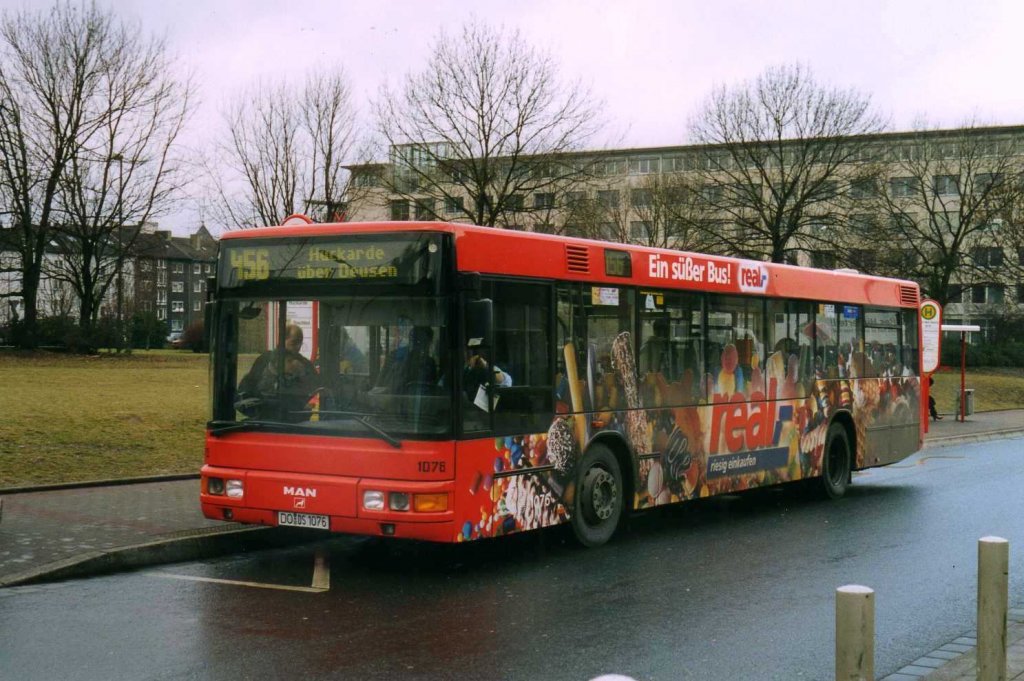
431	466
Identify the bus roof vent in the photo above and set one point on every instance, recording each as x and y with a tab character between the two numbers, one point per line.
577	259
908	295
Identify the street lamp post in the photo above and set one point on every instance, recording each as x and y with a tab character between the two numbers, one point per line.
120	255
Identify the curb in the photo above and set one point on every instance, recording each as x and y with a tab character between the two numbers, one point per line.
1007	434
957	660
187	546
56	486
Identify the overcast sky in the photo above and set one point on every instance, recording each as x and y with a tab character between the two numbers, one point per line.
651	61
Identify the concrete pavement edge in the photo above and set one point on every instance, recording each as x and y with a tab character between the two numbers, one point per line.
1008	434
55	486
193	545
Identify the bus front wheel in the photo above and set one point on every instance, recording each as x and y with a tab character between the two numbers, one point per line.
598	503
836	462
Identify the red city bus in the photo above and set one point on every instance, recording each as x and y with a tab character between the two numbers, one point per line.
449	382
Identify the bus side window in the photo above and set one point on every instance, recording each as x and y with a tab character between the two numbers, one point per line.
851	342
909	346
611	352
671	347
569	325
826	342
790	340
735	344
525	403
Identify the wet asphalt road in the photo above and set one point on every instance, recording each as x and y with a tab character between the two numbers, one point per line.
735	588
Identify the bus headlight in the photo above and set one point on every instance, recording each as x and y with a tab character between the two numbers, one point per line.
215	486
398	501
235	490
373	500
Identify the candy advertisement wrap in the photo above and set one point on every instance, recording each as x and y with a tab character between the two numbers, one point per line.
763	424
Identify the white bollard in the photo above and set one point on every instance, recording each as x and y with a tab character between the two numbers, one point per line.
855	633
993	578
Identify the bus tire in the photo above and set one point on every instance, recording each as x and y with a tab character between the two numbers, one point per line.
597	506
836	462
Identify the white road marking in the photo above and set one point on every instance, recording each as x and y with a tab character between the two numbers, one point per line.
321	578
235	582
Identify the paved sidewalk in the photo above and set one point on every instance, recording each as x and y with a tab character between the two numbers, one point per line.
989	425
79	531
50	534
963	667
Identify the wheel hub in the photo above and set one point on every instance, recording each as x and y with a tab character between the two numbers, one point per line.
603	493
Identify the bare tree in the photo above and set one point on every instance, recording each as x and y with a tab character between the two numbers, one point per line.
81	93
49	67
125	170
486	124
286	152
775	161
951	208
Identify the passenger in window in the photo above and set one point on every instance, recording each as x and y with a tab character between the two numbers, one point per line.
655	351
352	359
729	379
267	392
411	368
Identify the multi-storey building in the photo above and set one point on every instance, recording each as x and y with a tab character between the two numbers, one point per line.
922	176
171	275
166	275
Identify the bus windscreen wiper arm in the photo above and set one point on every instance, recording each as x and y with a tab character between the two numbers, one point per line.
361	418
219	427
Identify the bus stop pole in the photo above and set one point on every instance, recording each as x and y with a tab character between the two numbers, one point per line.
963	376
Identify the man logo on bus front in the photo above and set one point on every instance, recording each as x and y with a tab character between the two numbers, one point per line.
299	502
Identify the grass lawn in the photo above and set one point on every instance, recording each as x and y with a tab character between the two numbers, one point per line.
67	418
994	388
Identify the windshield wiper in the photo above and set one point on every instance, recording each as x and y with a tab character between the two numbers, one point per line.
363	419
220	427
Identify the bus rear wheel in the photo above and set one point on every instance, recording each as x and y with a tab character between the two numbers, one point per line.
836	462
597	507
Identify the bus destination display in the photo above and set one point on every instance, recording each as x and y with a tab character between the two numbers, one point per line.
354	260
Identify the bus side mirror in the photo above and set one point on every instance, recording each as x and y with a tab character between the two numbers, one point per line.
479	322
470	283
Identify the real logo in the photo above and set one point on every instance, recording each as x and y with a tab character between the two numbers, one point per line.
753	278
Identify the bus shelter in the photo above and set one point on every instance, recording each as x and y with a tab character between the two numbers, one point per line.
964	329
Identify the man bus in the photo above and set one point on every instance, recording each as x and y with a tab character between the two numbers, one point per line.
630	377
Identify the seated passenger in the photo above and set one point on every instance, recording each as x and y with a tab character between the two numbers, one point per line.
411	368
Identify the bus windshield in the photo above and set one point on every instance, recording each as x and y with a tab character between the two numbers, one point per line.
358	365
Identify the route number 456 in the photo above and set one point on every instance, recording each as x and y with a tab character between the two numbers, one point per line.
250	263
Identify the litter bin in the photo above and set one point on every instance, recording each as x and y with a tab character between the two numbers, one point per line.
968	402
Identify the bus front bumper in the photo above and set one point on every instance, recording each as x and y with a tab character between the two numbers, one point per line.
332	503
